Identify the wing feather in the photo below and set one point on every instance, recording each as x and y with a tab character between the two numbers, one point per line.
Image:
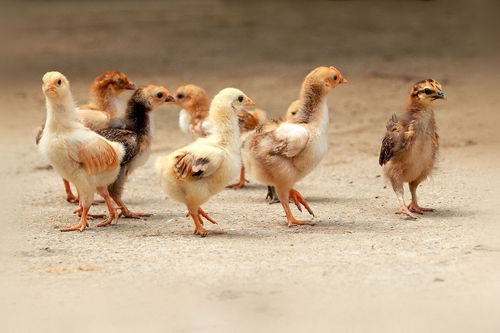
198	163
291	139
97	156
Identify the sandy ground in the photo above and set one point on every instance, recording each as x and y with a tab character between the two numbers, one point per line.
361	268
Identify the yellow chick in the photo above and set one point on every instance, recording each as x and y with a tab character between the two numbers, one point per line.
281	153
77	153
196	172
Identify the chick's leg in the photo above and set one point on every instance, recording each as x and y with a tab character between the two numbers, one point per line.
272	196
242	181
70	197
198	224
103	191
413	206
292	221
116	189
85	204
399	190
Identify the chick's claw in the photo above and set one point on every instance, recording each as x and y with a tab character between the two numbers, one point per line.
298	200
415	208
126	213
405	211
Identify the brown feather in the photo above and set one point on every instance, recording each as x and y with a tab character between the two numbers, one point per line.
97	156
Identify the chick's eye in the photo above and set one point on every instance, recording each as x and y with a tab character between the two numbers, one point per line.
59	82
427	91
120	82
180	96
240	99
159	95
335	78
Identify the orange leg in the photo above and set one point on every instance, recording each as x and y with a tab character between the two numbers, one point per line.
198	223
284	197
413	206
83	220
242	181
298	200
125	212
103	191
79	211
70	197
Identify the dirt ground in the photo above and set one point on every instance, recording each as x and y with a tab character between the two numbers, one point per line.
360	269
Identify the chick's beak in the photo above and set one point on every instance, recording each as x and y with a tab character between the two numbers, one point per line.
343	81
440	95
249	102
170	99
130	86
50	87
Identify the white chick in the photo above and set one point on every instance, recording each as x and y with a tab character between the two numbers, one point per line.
77	153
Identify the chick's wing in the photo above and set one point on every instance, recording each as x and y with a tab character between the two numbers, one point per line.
97	155
125	137
398	138
290	140
198	162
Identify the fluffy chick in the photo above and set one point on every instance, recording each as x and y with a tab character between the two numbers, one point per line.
136	137
280	154
196	172
103	103
194	101
77	153
103	106
411	144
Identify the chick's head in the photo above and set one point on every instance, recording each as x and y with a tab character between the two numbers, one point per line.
234	98
426	91
113	82
325	78
191	98
293	108
55	85
153	96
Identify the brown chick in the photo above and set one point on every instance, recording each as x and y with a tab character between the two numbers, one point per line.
103	99
280	154
410	146
136	137
195	104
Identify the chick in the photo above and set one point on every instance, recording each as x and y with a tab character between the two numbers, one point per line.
280	154
195	103
103	103
194	173
411	144
136	137
77	153
102	108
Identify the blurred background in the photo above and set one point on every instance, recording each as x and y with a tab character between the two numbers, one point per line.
265	48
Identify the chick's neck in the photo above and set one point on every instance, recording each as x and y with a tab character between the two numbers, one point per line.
312	98
61	113
137	117
104	99
224	126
